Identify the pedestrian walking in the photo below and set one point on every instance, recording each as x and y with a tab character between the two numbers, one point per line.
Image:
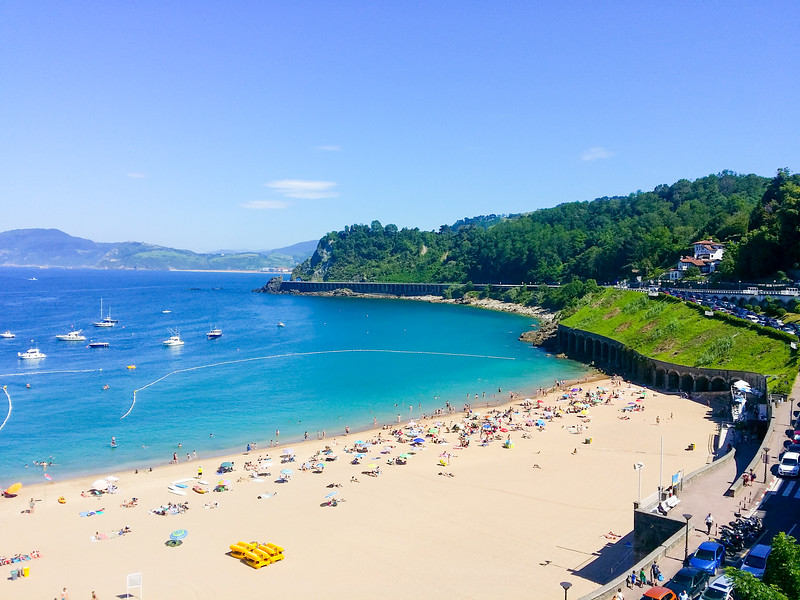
709	522
642	577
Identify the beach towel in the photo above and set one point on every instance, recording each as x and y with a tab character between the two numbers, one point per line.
89	513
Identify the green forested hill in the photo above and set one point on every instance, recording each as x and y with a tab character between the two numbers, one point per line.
605	239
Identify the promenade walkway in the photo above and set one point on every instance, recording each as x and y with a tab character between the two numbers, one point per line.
707	494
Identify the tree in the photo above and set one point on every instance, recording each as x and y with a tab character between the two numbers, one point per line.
781	578
783	566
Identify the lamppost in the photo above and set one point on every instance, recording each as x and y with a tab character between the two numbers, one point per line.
566	585
638	467
766	463
686	516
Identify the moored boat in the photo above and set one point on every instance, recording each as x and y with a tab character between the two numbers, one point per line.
31	353
174	339
72	336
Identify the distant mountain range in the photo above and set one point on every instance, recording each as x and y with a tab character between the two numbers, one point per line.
54	248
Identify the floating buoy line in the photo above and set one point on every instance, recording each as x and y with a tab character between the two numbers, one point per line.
5	391
10	408
294	354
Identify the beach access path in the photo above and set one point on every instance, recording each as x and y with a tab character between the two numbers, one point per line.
512	522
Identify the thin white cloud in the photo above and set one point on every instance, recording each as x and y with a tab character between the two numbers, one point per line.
266	204
329	148
302	188
596	153
135	175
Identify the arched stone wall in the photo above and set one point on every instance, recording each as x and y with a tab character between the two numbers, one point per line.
614	357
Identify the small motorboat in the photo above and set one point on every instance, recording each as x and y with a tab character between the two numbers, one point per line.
280	324
174	340
7	335
98	344
31	353
214	333
72	336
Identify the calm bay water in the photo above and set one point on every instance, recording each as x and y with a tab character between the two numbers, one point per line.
337	362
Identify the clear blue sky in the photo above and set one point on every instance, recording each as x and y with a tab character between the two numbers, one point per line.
208	125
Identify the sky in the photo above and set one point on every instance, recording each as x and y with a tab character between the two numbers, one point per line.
256	125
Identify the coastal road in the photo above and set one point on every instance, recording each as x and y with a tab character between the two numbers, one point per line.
780	508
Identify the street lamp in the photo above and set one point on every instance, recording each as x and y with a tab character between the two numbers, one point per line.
566	585
766	463
638	467
686	516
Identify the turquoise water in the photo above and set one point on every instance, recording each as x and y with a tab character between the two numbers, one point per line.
337	362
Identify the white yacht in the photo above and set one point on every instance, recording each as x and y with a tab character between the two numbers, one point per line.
174	339
104	321
72	336
7	335
214	333
31	353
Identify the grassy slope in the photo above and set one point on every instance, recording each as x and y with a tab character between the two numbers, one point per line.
676	333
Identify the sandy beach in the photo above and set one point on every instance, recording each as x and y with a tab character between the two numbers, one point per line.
510	522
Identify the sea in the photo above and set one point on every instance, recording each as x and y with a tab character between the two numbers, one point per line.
285	366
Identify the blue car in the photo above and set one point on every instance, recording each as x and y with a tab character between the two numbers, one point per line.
710	557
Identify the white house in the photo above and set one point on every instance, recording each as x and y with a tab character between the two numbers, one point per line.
707	256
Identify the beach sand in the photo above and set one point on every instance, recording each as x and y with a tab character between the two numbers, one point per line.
499	526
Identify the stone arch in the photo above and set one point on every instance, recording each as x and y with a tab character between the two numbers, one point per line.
660	377
701	384
673	380
687	383
718	384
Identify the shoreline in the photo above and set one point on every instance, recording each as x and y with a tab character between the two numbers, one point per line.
515	397
523	510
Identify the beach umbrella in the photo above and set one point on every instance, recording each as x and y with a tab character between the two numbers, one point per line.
412	424
288	451
433	430
331	494
100	484
360	455
14	488
287	472
540	401
178	534
487	426
360	443
404	455
112	478
541	422
418	440
319	466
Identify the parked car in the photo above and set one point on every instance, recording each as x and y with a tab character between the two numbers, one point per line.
790	465
756	560
659	593
709	557
694	581
719	589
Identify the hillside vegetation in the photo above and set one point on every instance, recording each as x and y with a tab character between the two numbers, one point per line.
670	330
607	239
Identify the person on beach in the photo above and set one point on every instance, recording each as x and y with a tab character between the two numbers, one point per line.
64	594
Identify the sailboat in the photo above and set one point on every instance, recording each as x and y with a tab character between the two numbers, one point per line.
104	321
